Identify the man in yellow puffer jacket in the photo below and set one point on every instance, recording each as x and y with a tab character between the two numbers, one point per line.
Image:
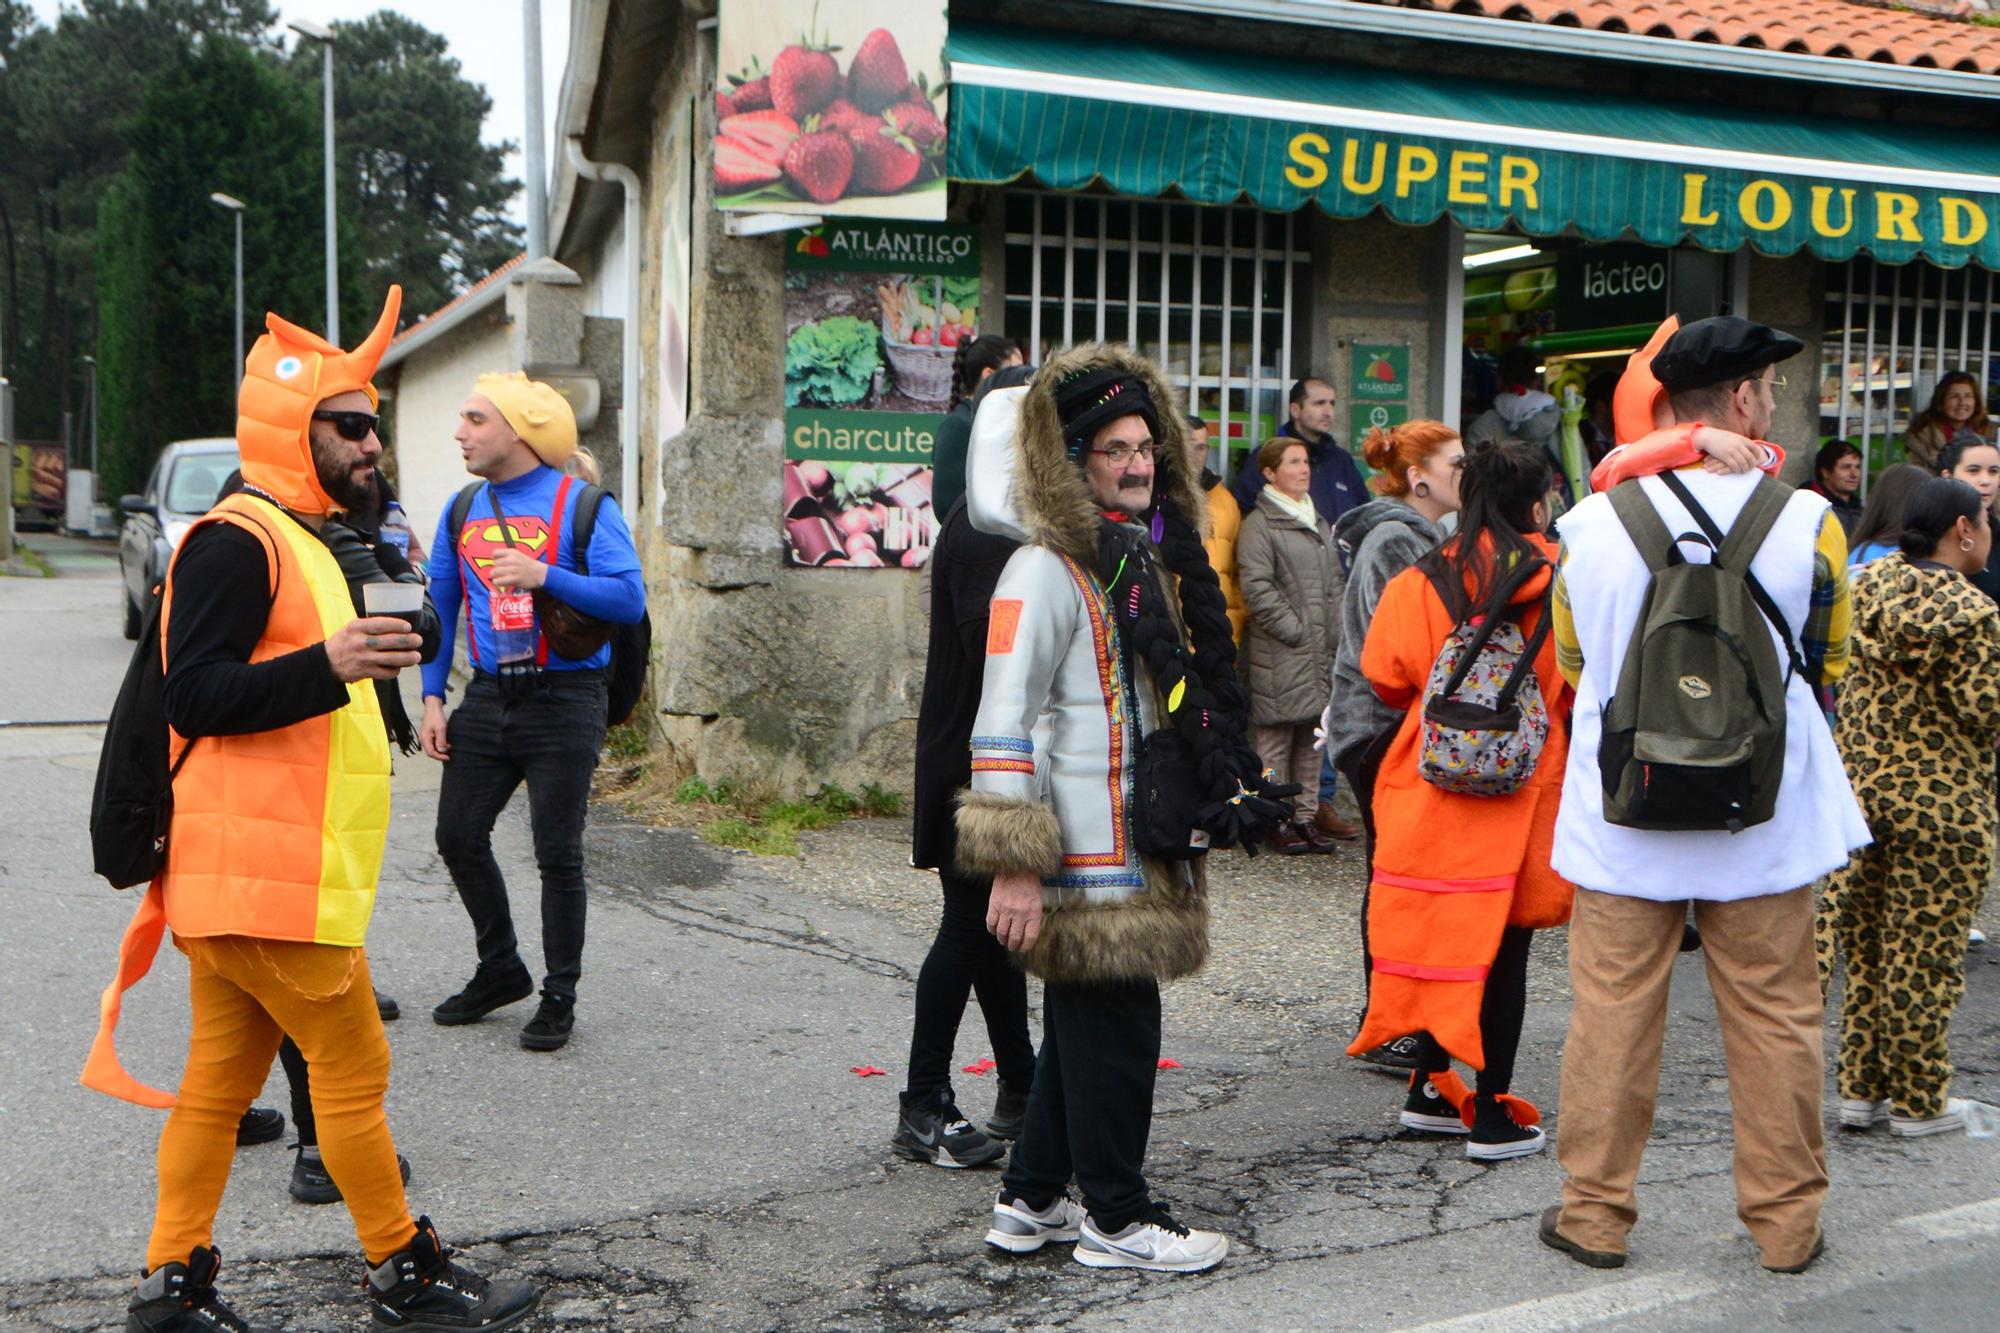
281	810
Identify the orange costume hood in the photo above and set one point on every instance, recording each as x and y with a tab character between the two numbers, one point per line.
288	373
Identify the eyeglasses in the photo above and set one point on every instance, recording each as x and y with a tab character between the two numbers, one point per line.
1121	455
355	426
1775	381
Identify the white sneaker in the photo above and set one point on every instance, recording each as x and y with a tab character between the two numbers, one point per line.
1976	936
1019	1229
1909	1127
1862	1115
1158	1243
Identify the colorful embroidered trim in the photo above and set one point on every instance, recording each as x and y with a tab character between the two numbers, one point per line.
1487	884
1426	972
1003	766
1130	879
1107	675
1016	744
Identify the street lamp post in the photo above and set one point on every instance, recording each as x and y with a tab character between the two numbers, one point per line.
235	206
324	35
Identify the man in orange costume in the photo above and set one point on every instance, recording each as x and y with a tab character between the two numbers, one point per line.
281	809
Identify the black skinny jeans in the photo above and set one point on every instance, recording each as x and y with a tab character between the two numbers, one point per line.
546	732
1091	1110
965	960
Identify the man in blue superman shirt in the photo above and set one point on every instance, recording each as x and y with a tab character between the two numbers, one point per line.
529	714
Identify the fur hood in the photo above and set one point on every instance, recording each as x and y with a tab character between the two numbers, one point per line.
1046	499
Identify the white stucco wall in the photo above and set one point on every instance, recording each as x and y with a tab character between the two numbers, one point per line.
435	380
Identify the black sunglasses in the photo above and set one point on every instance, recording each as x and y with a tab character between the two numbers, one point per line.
355	426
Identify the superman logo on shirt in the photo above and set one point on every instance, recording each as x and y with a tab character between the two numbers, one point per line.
481	540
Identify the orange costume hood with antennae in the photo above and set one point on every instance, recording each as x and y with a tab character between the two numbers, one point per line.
288	373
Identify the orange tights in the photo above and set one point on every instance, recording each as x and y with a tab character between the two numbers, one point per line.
248	993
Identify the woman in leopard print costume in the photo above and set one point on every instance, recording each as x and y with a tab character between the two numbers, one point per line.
1919	715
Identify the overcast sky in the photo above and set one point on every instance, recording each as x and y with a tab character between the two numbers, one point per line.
485	36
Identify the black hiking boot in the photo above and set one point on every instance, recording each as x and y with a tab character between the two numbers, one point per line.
420	1290
312	1183
488	990
260	1124
180	1298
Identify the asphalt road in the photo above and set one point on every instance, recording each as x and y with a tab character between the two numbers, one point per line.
701	1157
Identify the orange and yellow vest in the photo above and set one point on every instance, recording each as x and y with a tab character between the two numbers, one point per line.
276	834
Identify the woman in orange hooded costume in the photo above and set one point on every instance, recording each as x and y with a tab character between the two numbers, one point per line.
1461	882
281	809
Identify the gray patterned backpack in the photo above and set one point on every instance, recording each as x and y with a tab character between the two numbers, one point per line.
1484	719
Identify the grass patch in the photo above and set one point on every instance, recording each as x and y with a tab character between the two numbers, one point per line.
728	815
627	741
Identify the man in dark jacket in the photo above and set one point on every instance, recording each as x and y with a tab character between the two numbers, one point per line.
1336	482
964	959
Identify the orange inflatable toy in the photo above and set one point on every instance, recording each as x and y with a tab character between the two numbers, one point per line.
1649	442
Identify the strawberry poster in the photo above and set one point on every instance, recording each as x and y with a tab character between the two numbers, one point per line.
831	107
874	315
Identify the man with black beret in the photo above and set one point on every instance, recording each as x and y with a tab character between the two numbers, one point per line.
1751	888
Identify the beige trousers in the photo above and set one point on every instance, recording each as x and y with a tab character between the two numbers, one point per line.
1759	953
1287	750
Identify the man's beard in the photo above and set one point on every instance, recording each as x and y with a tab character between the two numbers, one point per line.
336	478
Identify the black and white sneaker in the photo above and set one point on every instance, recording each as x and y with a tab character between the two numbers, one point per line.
931	1129
1154	1242
420	1290
1019	1229
180	1298
1402	1053
1497	1136
1430	1111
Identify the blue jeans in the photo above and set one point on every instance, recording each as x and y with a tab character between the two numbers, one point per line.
546	733
1328	780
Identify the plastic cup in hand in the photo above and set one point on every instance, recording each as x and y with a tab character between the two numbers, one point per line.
401	600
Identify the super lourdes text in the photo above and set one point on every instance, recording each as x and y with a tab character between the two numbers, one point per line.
1477	176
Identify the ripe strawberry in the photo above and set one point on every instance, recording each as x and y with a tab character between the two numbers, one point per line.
763	134
754	95
820	164
803	80
844	117
914	94
884	162
876	75
725	107
737	168
919	124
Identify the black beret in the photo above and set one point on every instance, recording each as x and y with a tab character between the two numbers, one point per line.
1718	349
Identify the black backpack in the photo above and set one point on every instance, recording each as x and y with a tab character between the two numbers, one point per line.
133	804
1694	734
631	645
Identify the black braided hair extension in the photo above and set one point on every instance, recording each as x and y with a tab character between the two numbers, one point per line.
958	375
1206	704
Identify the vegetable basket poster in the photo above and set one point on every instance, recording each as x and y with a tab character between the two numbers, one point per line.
874	315
831	107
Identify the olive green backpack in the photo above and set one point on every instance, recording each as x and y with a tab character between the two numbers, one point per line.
1694	736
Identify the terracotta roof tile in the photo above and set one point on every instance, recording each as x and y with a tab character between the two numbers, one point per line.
1852	29
475	289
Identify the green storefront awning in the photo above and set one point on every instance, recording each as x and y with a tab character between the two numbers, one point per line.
1070	109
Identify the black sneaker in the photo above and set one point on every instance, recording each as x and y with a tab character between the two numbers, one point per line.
421	1290
260	1124
932	1130
1427	1109
386	1006
483	994
313	1183
1690	938
1497	1136
549	1029
1010	1109
1402	1053
180	1298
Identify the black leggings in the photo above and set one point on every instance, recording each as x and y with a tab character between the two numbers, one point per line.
1500	1013
294	1062
964	960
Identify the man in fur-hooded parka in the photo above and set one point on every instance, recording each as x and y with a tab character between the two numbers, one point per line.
1047	816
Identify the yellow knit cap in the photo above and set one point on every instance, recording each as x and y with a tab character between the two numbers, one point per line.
538	414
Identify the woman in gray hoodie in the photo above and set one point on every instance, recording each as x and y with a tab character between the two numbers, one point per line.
1417	466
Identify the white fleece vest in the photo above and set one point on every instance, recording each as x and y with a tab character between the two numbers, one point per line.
1817	823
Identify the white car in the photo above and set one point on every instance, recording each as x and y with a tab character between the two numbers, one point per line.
184	485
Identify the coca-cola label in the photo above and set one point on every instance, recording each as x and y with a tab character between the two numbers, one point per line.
513	610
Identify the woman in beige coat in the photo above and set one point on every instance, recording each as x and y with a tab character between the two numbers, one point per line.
1285	562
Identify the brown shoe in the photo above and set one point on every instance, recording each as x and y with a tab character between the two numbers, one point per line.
1555	1240
1818	1248
1316	840
1333	826
1287	840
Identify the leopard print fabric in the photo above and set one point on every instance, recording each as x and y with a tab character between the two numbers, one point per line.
1919	715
